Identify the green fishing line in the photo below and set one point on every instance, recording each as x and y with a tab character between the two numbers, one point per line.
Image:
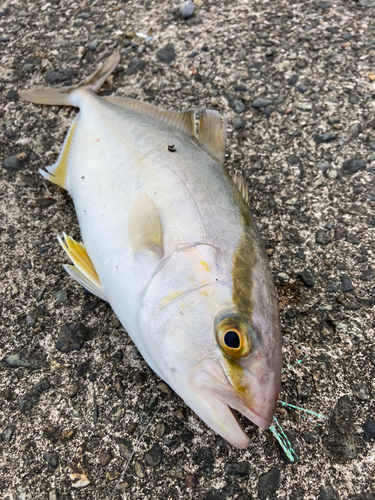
283	440
310	412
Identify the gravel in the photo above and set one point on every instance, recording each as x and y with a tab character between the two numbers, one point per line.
311	65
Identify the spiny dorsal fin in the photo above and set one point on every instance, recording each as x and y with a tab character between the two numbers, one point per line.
241	186
145	230
57	172
179	120
212	134
83	270
62	96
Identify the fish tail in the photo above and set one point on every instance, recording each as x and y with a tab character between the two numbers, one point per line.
65	96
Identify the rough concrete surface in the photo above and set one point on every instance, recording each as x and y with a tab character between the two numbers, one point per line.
297	82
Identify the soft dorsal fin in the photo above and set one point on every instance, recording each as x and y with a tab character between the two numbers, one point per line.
179	120
212	134
83	270
241	186
145	230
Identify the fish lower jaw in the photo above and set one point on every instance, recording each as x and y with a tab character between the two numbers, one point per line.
253	416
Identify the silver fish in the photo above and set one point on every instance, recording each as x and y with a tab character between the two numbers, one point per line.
170	243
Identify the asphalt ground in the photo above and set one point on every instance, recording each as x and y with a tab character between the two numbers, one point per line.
70	420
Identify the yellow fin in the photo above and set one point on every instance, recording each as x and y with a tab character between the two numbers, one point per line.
179	120
145	230
241	186
57	172
213	134
83	270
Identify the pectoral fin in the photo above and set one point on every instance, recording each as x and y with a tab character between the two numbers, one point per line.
145	230
83	270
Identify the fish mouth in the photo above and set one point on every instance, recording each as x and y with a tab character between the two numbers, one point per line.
221	402
263	422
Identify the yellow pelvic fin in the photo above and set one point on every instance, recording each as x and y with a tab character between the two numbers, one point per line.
213	134
145	230
241	186
61	96
183	121
57	172
83	270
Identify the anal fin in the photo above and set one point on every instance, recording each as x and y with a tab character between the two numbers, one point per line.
57	173
83	270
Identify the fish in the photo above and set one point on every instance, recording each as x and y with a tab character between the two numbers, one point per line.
169	240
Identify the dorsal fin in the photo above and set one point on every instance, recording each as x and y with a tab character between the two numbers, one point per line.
179	120
212	134
241	186
145	230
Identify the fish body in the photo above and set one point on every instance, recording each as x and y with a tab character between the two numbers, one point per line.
170	243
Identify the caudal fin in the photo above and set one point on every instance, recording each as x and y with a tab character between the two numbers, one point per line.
63	96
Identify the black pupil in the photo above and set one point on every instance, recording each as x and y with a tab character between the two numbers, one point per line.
232	339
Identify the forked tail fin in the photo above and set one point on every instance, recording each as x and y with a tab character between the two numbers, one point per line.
64	96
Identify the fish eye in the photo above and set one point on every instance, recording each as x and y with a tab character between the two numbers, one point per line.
234	335
232	339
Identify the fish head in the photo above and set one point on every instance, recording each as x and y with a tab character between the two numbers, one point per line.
217	357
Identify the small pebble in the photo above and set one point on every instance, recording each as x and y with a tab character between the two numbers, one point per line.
269	483
71	338
323	237
52	458
303	105
284	278
241	469
93	45
154	456
346	284
328	493
29	400
43	385
166	54
125	448
7	433
139	470
187	10
135	66
56	76
105	456
307	278
369	430
160	430
323	165
352	166
319	139
237	106
239	122
191	481
61	296
362	393
367	275
261	102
